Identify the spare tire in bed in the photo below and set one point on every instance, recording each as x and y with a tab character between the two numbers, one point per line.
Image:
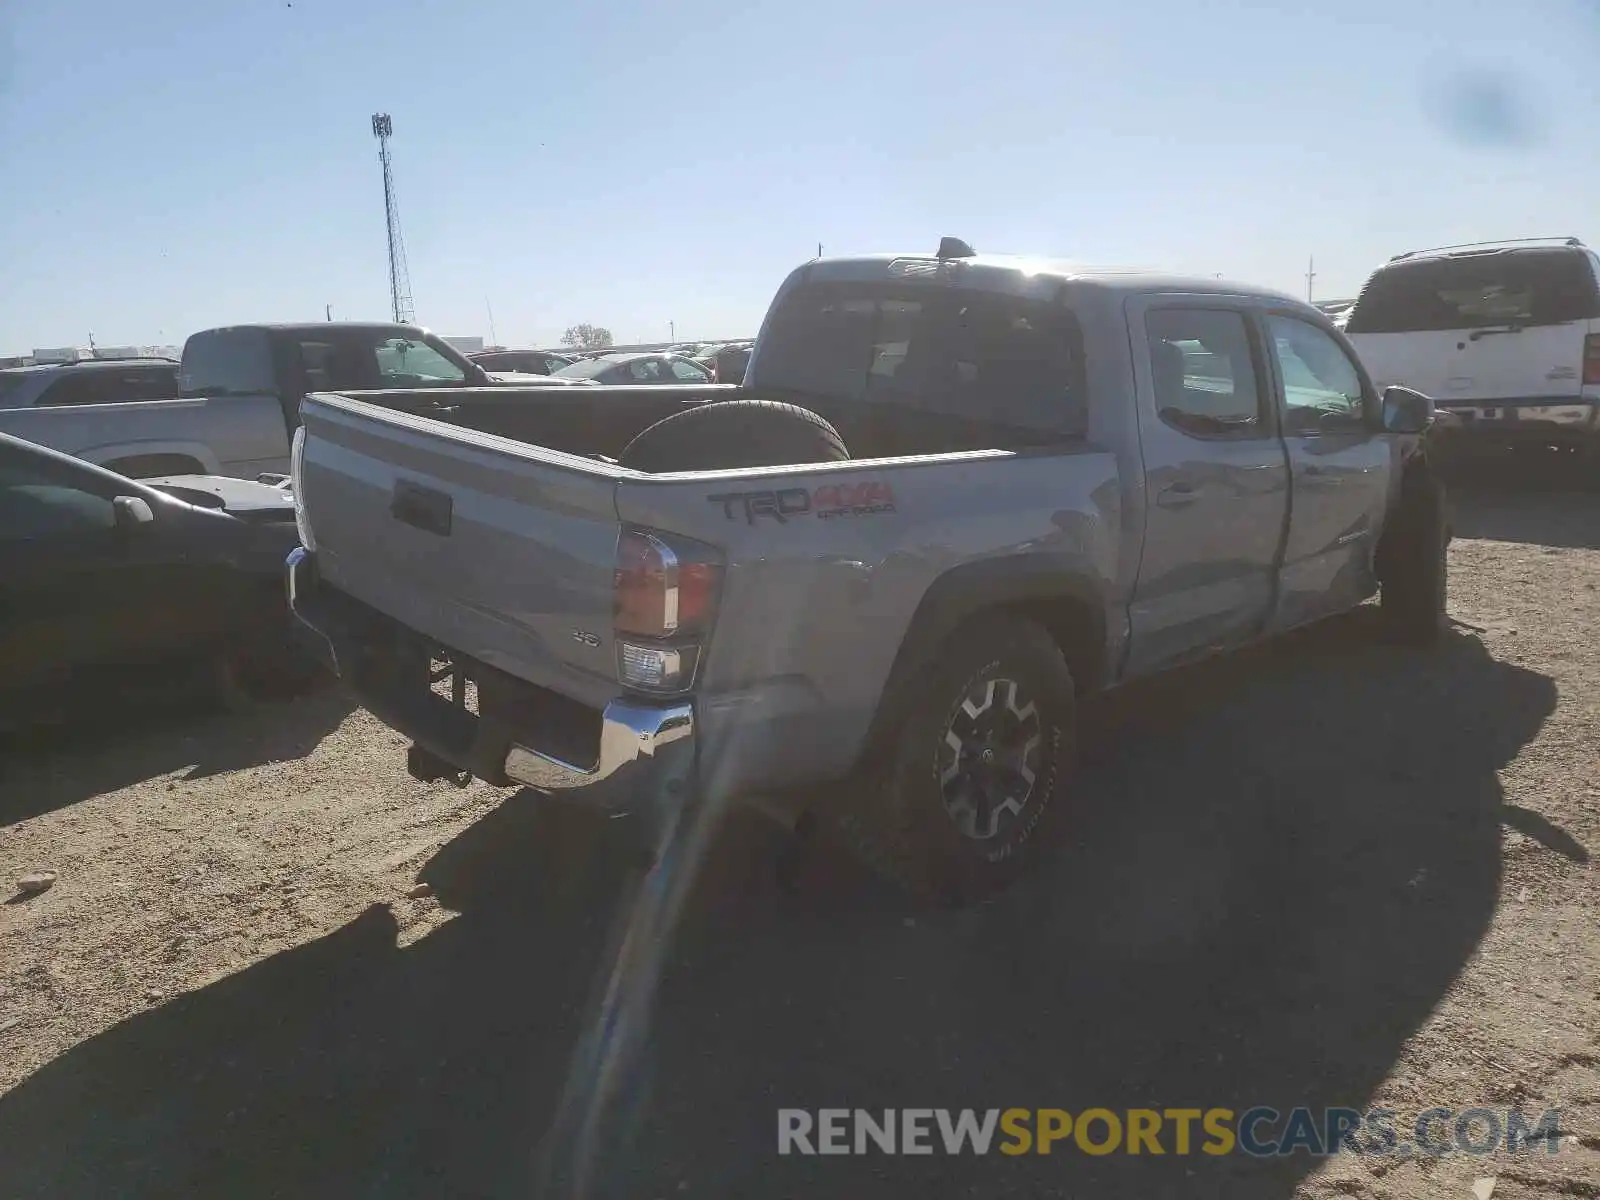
734	433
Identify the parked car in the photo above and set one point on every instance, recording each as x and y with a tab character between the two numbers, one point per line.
637	369
239	393
522	362
1012	485
89	381
1505	336
114	587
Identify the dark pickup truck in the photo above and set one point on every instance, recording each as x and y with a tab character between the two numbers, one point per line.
955	494
238	394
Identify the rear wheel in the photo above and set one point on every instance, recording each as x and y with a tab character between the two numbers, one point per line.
973	783
734	433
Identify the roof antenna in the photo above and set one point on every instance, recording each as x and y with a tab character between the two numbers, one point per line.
950	247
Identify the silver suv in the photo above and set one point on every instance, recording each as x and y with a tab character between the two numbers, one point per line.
92	381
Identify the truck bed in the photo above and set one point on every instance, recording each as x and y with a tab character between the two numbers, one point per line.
601	421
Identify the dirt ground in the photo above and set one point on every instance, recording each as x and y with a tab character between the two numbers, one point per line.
1327	872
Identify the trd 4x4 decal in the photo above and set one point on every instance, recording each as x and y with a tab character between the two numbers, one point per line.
825	503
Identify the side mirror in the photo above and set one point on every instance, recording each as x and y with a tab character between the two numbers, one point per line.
132	512
1406	411
479	377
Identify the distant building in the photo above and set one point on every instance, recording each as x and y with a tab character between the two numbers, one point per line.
138	352
467	345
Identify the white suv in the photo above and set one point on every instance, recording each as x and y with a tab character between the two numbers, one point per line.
1503	335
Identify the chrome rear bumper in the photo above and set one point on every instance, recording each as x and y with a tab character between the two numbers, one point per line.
644	754
631	738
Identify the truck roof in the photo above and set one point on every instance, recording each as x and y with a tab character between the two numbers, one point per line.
314	326
1005	272
90	364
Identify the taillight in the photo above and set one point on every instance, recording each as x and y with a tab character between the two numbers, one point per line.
1591	359
665	600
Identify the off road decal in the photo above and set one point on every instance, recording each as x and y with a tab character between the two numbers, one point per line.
825	503
852	500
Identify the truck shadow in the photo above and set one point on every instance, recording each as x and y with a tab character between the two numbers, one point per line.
1278	867
45	769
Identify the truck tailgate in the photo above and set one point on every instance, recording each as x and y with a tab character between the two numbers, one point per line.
501	551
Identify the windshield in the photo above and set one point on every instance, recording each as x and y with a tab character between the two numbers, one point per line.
1523	287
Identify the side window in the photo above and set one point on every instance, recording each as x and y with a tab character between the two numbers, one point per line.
646	370
147	384
110	387
403	363
79	387
1203	373
324	369
1321	386
38	506
687	372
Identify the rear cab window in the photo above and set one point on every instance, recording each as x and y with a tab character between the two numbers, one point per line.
227	362
1479	290
1011	362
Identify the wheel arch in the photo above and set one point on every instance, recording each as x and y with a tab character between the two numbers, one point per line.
109	456
1065	598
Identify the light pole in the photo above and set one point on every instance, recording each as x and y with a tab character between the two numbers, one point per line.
672	331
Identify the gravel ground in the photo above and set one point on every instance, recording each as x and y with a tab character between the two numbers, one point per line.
1326	872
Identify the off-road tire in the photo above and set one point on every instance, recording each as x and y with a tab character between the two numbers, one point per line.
894	816
734	433
1415	575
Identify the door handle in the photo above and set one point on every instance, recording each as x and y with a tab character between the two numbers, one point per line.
1177	495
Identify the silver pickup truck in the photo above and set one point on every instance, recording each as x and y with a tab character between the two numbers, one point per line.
955	495
237	402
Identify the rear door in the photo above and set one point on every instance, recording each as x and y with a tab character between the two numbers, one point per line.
1480	326
1216	480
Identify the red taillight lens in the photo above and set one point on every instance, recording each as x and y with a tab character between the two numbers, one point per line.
666	597
1591	360
664	588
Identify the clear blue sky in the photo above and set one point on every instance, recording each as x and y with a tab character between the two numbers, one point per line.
173	164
